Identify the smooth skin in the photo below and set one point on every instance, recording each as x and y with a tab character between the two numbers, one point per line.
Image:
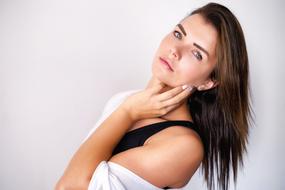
152	103
171	160
191	65
173	157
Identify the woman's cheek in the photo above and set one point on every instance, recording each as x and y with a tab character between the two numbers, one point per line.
189	72
187	65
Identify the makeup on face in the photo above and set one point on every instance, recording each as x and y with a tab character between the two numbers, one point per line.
180	26
164	62
182	29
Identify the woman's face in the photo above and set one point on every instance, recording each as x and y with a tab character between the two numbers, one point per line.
190	51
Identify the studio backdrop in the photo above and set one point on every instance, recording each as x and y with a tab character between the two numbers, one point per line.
62	60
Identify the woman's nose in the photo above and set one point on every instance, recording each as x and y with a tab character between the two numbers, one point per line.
173	53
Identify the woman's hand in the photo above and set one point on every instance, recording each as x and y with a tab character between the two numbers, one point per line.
151	102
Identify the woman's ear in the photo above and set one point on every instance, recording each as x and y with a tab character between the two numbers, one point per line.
208	85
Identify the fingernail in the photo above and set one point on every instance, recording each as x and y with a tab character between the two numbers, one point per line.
189	87
184	86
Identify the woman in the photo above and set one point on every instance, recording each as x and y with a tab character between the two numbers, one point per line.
207	122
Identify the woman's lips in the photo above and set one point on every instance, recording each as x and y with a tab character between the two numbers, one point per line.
165	63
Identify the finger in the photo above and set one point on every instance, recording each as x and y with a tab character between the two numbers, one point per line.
170	93
157	87
179	97
170	108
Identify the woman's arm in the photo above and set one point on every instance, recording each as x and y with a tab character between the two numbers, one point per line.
97	147
148	103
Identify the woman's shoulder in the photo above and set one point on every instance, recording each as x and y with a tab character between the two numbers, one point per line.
173	152
184	150
176	132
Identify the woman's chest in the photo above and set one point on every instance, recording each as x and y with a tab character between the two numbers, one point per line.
145	122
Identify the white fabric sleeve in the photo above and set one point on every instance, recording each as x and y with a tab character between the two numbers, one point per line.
112	176
111	105
104	179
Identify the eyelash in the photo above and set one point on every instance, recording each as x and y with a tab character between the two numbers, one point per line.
197	54
175	32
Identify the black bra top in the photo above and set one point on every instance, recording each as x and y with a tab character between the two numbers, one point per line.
137	137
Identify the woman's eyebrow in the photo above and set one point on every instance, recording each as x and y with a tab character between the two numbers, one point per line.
202	49
198	46
181	28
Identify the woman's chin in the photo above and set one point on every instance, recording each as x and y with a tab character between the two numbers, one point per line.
162	76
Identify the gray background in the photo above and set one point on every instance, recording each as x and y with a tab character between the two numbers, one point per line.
61	60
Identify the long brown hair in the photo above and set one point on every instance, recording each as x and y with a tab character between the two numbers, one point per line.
223	114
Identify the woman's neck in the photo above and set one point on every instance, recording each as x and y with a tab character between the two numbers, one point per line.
179	113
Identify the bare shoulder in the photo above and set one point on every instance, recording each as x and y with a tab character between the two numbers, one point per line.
156	162
186	152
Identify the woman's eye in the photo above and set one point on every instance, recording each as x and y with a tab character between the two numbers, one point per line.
177	34
198	55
